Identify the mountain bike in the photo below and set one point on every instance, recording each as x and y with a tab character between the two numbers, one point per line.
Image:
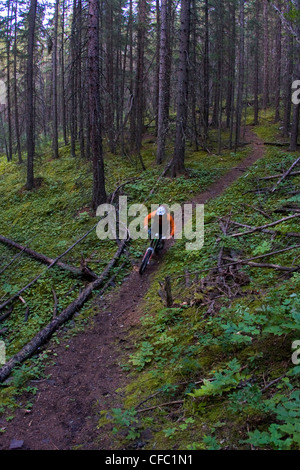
155	246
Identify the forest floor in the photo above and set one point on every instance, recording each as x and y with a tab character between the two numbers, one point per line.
86	377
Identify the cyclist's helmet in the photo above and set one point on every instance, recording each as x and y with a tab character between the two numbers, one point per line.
161	211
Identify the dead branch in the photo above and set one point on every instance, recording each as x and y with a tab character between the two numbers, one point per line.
271	232
176	402
64	316
12	261
271	253
285	174
262	227
258	210
273	177
270	266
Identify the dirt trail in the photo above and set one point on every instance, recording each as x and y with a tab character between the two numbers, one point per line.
87	374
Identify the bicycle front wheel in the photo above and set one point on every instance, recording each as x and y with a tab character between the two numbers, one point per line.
145	261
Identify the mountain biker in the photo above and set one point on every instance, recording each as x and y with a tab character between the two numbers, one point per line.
161	223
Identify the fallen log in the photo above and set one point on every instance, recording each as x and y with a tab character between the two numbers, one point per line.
86	273
41	337
54	262
277	144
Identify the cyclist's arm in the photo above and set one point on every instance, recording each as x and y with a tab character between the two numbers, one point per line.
148	218
172	227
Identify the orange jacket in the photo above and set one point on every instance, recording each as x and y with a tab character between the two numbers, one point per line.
169	217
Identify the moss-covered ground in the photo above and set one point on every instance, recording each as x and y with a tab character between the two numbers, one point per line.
225	369
218	371
55	214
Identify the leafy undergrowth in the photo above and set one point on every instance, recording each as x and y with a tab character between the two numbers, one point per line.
53	216
219	369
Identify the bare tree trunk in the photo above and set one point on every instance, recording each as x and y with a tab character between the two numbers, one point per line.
296	107
63	86
110	77
240	92
73	81
182	91
98	194
30	95
266	54
158	46
205	97
17	121
231	66
256	60
289	53
163	85
54	85
278	40
139	83
8	82
80	84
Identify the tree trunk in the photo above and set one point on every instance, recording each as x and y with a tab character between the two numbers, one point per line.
54	85
182	91
17	122
205	96
73	112
139	83
240	92
8	82
98	193
296	107
163	85
278	40
289	54
30	95
256	62
266	54
63	86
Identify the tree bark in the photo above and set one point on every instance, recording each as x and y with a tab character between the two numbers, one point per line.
266	54
98	192
256	65
240	92
182	91
278	40
164	72
54	85
30	112
17	121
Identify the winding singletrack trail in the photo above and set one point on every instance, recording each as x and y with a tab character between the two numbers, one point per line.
87	376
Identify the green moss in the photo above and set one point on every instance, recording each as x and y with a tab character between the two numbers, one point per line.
256	329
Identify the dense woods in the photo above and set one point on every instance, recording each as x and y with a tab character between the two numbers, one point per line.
104	345
180	69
